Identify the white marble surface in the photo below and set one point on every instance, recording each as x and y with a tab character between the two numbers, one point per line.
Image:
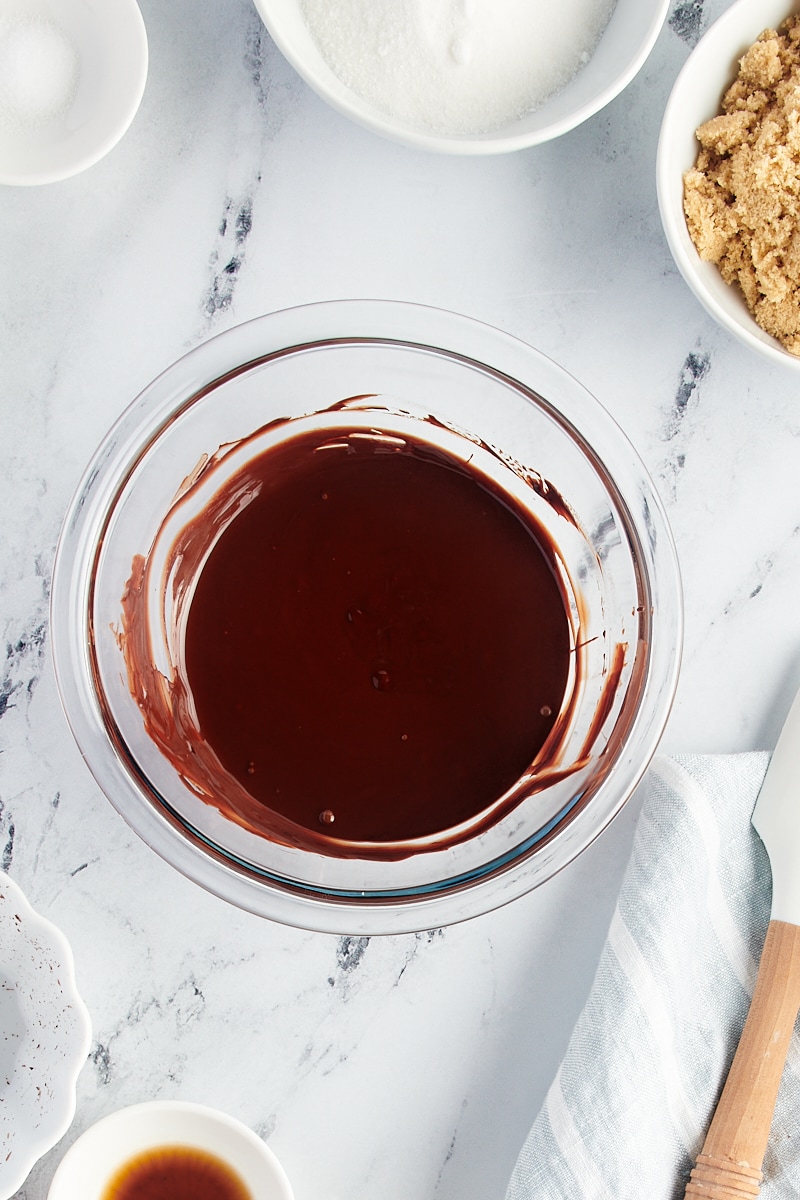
408	1066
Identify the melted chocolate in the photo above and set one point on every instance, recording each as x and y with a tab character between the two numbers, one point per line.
351	640
377	646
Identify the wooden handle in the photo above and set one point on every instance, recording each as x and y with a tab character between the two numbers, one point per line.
729	1165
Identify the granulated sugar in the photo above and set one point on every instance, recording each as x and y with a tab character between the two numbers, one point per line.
457	67
38	72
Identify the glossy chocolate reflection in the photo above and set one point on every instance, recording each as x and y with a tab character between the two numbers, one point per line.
373	645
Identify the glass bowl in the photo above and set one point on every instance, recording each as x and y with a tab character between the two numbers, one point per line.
475	395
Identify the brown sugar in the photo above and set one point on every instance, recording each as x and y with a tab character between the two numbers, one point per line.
742	197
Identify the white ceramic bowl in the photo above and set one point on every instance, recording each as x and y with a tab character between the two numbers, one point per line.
93	1160
72	76
623	48
696	97
46	1035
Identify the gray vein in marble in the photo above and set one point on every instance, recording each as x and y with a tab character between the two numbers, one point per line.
187	1002
450	1148
236	222
265	1129
7	853
255	59
350	952
25	648
426	938
686	21
757	576
229	254
49	821
694	370
23	662
266	69
100	1058
431	935
272	79
321	1062
353	986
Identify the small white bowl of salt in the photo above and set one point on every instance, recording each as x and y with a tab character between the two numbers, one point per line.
72	76
466	76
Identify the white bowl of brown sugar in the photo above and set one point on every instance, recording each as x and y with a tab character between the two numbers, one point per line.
728	175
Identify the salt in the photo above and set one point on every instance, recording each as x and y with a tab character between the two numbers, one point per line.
38	73
456	67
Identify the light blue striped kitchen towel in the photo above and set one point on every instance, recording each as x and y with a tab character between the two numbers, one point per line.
630	1105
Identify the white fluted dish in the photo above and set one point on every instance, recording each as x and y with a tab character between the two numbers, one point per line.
46	1033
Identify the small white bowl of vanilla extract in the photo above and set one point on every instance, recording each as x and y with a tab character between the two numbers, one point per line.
169	1150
